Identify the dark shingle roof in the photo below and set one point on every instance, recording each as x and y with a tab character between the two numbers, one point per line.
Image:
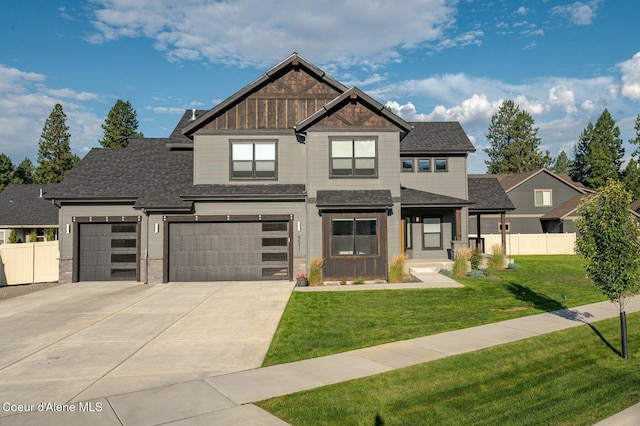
510	181
146	171
488	195
436	137
21	205
268	191
416	198
184	121
355	198
565	209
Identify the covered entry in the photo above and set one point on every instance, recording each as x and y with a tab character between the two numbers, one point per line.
206	249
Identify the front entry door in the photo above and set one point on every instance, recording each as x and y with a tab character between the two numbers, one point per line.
354	245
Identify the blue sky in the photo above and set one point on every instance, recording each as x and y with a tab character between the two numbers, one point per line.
430	60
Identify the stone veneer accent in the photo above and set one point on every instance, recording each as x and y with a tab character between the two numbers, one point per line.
65	271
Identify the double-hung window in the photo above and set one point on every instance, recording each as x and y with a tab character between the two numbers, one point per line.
431	233
353	157
543	198
254	160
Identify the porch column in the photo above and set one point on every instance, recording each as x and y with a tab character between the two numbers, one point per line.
503	232
458	235
478	241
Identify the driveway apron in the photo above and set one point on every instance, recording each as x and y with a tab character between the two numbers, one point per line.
77	342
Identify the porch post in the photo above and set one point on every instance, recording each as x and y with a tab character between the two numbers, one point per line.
503	227
458	225
478	240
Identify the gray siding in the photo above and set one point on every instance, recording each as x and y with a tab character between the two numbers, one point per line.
211	158
448	229
453	182
522	197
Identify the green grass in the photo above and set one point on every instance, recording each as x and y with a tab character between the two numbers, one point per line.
324	323
571	377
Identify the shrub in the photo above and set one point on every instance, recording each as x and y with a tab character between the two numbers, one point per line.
446	272
396	271
460	260
13	238
474	273
476	259
513	266
50	234
496	261
358	280
315	271
33	237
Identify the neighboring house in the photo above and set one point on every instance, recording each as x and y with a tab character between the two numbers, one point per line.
291	167
544	201
635	206
24	209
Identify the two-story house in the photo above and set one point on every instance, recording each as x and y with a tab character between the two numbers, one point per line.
291	167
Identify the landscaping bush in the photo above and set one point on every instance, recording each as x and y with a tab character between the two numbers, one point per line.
13	238
474	273
496	261
513	266
50	234
33	237
396	271
315	271
460	262
476	259
446	272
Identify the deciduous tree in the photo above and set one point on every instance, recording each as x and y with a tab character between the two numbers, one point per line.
515	145
55	159
608	244
120	126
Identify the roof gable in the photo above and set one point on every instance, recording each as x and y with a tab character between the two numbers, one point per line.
353	108
286	94
511	181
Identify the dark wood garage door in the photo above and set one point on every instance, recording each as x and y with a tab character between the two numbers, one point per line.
108	251
236	251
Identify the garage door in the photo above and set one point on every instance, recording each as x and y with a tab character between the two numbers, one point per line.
108	251
236	251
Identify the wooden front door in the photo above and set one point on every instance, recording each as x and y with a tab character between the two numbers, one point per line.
354	245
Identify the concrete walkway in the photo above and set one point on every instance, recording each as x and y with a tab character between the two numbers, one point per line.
226	399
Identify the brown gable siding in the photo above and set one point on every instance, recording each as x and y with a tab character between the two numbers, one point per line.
355	115
280	104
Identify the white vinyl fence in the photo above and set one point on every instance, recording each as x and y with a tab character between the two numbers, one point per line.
28	263
533	243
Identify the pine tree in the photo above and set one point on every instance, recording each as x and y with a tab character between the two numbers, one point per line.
55	159
636	140
120	126
515	146
562	164
598	153
631	178
24	173
7	171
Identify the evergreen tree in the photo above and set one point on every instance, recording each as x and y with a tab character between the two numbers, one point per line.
7	171
631	178
598	153
120	126
636	140
515	145
55	159
24	173
562	164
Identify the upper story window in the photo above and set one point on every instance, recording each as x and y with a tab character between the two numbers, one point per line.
441	165
353	157
424	164
543	198
406	164
253	160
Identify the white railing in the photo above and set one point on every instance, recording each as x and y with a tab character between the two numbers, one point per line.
533	243
28	263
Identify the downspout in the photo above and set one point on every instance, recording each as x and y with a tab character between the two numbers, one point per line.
146	252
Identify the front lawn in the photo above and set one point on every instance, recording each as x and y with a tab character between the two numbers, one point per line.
324	323
571	377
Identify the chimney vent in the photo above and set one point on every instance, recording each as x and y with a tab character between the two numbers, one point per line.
193	114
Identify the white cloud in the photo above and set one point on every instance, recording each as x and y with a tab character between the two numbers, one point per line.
631	77
588	105
522	10
365	31
562	98
578	13
70	94
166	110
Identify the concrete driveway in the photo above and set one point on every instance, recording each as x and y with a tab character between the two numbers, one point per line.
77	342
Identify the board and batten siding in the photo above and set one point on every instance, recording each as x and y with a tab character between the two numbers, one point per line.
211	158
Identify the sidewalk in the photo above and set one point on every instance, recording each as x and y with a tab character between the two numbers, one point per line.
227	399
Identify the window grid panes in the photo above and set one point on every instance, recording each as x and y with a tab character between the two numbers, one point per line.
353	157
354	237
431	233
543	198
253	160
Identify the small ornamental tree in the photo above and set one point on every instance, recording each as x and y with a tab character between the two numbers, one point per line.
608	244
